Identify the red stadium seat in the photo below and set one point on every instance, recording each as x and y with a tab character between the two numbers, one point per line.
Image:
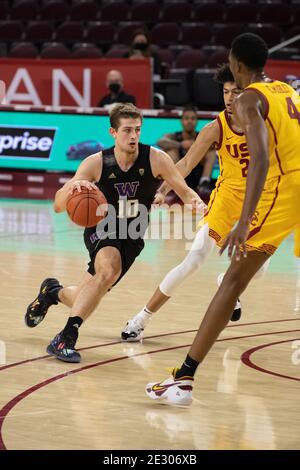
11	31
224	34
55	50
275	13
147	12
178	12
126	31
86	51
196	34
117	11
54	10
271	34
217	58
209	12
117	52
84	10
70	32
39	31
100	33
241	13
24	10
165	34
24	50
191	59
166	55
4	10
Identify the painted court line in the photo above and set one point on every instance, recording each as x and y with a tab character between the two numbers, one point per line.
14	401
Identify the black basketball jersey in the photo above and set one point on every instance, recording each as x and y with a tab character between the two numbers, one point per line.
128	193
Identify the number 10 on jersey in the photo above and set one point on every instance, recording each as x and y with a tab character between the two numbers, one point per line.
128	208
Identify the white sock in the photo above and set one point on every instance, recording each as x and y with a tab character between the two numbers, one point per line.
143	317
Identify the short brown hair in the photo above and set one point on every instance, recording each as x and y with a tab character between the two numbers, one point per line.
124	110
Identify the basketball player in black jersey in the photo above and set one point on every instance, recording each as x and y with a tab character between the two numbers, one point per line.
129	175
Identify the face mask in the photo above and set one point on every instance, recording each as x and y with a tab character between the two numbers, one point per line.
141	46
114	87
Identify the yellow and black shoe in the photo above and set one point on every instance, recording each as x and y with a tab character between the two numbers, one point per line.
47	296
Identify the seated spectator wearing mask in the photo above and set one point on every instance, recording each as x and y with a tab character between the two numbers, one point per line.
114	82
141	48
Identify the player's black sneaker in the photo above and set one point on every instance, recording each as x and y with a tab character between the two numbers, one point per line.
63	348
47	296
237	312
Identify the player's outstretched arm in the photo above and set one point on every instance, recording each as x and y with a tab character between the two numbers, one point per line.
88	172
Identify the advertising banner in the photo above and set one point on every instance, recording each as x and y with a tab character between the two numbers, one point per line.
58	141
80	82
23	142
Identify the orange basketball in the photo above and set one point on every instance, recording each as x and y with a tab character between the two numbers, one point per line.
82	207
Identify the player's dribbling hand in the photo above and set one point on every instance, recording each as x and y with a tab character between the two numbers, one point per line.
78	184
236	241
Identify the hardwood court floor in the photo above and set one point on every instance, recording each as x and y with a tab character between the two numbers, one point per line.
246	394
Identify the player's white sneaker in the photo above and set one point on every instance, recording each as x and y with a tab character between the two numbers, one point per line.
173	391
133	331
